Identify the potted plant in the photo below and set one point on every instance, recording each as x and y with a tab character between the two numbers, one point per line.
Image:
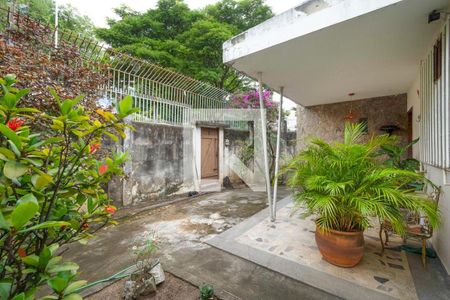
345	185
149	272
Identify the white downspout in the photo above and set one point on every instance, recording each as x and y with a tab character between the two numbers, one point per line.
264	139
277	155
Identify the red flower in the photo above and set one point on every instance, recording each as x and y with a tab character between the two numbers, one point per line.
85	226
15	124
93	148
110	209
22	252
102	169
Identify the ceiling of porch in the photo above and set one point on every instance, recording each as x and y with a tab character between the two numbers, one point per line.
370	48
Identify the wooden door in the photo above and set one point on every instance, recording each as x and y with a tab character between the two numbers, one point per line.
210	153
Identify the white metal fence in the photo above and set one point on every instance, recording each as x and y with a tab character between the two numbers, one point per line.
435	104
153	109
162	95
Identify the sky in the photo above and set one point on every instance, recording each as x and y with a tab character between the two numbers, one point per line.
99	10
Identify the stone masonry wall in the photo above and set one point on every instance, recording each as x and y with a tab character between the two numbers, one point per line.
327	121
155	166
155	169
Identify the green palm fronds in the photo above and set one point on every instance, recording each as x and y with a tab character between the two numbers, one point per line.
346	184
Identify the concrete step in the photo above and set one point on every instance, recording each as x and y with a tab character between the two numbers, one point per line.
210	185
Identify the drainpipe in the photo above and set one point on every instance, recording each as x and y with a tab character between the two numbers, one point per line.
264	139
277	155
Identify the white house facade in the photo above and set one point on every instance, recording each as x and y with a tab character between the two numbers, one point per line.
320	52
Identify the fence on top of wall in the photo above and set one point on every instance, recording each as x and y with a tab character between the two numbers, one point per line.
435	102
162	95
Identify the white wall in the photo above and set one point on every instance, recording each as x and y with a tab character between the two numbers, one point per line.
441	238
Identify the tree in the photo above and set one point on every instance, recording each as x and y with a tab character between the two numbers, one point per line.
242	15
202	52
185	40
44	11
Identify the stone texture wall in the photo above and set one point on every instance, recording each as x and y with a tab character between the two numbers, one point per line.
155	168
327	121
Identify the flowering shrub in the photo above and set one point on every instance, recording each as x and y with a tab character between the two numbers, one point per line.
250	99
50	189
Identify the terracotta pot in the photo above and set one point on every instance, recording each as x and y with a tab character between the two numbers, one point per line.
343	249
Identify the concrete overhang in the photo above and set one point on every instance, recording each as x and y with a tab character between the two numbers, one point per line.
367	47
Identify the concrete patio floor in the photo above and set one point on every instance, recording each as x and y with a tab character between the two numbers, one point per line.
288	246
182	229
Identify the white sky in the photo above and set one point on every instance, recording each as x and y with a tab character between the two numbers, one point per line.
99	10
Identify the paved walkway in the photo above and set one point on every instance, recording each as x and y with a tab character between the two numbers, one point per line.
182	229
288	247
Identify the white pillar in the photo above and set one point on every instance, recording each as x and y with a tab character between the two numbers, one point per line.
277	155
264	141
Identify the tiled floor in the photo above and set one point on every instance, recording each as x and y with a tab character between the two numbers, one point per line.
293	239
288	246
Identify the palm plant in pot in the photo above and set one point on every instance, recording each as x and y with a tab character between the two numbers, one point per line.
346	185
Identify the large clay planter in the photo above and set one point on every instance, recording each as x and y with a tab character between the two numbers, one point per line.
343	249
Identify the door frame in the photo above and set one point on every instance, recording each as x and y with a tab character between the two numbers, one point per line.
203	161
198	154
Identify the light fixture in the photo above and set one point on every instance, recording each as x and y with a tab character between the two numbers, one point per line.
435	15
349	117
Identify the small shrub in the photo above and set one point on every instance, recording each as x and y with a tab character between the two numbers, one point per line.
206	291
51	188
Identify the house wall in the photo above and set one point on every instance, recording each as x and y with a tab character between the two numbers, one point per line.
327	121
440	177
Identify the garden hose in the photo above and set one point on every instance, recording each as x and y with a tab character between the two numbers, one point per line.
119	275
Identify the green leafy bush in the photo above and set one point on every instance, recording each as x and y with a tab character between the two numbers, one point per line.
50	189
206	291
347	184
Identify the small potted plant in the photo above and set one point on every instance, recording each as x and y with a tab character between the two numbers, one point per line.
345	185
206	292
149	272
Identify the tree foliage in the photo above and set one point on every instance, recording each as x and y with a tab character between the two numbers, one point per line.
51	188
185	40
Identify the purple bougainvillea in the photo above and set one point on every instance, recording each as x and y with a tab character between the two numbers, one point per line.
250	99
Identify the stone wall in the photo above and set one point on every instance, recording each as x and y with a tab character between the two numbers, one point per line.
155	168
327	121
